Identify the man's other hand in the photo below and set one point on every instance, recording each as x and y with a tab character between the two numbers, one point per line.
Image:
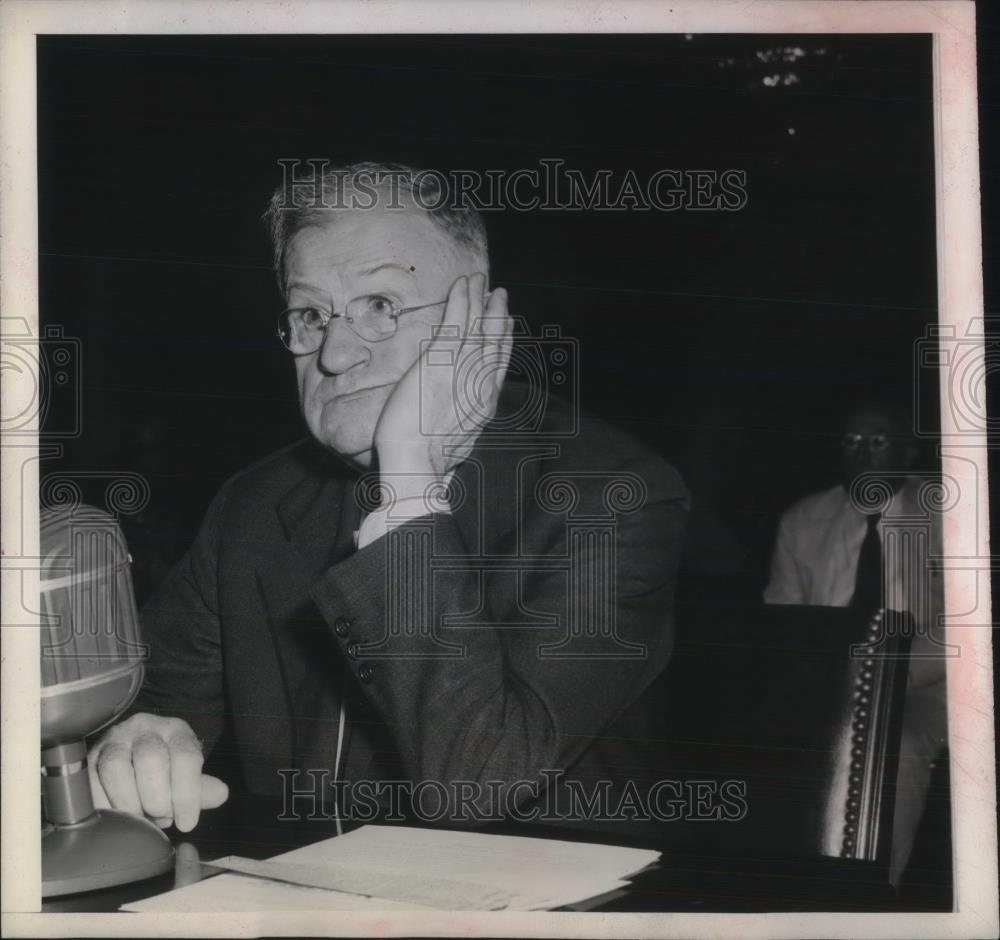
151	766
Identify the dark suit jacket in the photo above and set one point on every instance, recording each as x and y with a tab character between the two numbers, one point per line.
543	613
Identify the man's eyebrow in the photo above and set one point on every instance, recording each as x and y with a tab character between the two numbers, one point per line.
382	267
298	285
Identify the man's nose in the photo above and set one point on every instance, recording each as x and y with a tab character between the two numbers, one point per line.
342	349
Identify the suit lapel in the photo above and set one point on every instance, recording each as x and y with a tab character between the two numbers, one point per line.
318	517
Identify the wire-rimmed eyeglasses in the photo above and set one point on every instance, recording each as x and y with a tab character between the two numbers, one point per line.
875	443
373	317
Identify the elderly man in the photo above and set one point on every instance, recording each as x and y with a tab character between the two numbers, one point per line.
868	542
452	579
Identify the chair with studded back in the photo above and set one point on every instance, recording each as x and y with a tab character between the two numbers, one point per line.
857	821
800	708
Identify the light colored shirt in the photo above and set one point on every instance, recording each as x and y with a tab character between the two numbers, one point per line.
816	554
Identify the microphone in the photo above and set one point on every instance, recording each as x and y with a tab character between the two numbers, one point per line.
92	669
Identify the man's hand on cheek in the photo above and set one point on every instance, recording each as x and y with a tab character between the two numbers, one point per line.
432	419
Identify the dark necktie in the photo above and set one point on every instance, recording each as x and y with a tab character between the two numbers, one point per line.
868	580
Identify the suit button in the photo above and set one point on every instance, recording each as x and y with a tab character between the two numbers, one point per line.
352	650
366	672
341	626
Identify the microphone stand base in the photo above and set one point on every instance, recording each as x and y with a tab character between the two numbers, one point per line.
107	848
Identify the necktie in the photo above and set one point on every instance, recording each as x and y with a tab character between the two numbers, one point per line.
868	580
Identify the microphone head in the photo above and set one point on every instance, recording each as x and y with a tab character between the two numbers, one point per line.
91	651
91	671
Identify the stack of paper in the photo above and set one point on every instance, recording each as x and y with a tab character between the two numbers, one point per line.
399	868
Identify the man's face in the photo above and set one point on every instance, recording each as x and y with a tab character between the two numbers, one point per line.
873	442
399	253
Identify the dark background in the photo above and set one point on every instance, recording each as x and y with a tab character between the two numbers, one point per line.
731	341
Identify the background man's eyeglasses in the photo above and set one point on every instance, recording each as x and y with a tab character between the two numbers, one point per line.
875	443
373	317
